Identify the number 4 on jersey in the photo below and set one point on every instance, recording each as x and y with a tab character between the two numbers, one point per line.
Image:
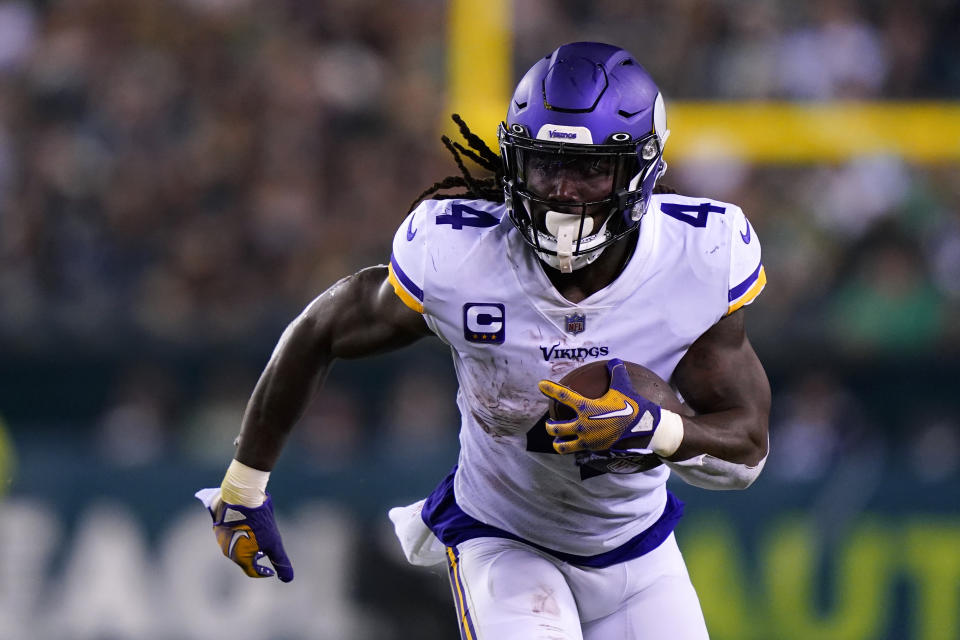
463	216
682	212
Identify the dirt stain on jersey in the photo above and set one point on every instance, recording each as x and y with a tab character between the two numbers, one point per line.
544	602
491	430
505	396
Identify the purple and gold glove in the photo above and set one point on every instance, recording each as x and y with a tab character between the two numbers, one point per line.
620	420
246	534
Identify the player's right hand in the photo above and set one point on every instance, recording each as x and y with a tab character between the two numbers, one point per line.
246	534
620	420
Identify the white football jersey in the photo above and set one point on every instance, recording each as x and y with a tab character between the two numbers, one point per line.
482	290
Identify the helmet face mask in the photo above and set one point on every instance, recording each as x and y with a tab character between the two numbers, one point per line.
556	178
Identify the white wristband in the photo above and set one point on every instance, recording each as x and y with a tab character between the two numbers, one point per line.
669	434
244	485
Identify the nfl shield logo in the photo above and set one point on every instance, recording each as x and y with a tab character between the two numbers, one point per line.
576	323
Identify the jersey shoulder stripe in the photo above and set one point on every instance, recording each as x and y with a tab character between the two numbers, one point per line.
720	246
404	287
745	292
747	276
432	243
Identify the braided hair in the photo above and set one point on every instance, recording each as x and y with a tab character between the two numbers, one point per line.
489	188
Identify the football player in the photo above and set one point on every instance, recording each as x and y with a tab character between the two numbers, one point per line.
550	529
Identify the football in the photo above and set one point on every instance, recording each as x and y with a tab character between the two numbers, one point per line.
592	381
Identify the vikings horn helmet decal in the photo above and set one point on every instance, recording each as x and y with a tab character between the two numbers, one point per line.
587	109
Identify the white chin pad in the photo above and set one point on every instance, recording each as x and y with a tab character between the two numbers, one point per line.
566	228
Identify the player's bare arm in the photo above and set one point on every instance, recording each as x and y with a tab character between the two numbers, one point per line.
721	378
358	316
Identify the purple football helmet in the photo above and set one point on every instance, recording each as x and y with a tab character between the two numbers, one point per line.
589	114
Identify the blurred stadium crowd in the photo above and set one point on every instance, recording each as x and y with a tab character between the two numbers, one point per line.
183	176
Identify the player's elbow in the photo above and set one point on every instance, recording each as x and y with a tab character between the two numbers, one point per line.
755	439
744	475
736	477
759	443
708	472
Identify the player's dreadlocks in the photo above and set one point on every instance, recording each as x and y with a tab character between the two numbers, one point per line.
490	188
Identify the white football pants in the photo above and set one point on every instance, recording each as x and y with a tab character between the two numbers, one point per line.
506	590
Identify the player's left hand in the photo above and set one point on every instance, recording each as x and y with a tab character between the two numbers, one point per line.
246	534
619	420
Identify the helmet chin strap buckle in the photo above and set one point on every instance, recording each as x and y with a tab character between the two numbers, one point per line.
566	228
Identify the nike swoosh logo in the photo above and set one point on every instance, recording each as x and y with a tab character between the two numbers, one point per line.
626	411
746	236
411	232
239	533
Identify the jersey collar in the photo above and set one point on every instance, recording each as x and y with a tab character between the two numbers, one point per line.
534	281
